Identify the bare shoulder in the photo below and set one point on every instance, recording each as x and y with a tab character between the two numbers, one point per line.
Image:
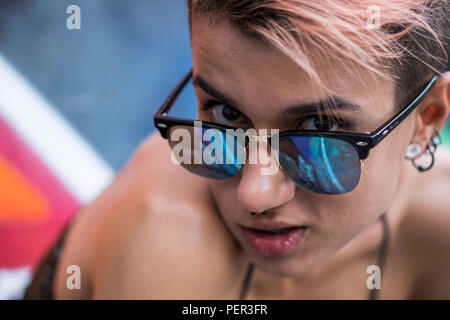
155	234
425	230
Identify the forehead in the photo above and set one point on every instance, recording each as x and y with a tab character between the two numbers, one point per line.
252	71
221	49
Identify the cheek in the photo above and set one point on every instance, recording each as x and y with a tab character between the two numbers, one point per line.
225	196
384	166
380	176
342	217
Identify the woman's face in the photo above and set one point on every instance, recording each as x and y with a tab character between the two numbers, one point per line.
260	83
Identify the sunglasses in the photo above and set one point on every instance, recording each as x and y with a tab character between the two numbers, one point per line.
325	162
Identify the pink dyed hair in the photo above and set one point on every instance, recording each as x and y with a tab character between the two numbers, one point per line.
409	45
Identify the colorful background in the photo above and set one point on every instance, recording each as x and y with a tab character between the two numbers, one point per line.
73	106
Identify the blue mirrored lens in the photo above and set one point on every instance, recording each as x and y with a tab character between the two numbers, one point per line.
211	153
320	164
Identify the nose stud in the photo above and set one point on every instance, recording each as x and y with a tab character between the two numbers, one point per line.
265	212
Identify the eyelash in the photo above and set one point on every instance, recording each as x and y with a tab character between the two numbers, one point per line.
342	123
208	105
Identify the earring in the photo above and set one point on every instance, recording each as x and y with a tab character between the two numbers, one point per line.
435	141
422	168
413	150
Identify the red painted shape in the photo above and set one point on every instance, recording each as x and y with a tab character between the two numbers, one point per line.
20	199
22	241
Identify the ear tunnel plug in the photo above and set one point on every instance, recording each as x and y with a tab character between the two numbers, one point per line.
413	150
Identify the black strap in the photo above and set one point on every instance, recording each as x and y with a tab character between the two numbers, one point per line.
246	285
41	286
382	254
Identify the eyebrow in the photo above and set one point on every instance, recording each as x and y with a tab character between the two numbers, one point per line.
198	81
333	103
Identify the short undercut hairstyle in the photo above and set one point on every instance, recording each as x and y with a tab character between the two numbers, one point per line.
408	45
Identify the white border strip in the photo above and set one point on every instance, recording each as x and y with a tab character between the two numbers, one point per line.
14	282
64	151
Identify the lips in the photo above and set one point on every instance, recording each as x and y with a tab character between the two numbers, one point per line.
273	240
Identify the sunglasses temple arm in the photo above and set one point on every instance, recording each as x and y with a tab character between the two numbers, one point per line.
167	104
390	125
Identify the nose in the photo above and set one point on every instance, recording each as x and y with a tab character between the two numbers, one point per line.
258	192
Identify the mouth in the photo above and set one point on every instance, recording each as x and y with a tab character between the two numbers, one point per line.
273	242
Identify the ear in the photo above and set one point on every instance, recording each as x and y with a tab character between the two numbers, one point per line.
432	112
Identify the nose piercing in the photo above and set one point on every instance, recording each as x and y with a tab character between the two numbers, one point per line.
265	212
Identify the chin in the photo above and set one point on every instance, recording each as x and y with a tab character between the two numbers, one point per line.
287	267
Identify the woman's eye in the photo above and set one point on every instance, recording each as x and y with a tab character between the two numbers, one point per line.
225	114
323	123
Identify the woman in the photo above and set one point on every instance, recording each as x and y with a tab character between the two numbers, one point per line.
315	69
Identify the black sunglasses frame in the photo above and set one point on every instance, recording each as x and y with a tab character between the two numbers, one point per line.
362	142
